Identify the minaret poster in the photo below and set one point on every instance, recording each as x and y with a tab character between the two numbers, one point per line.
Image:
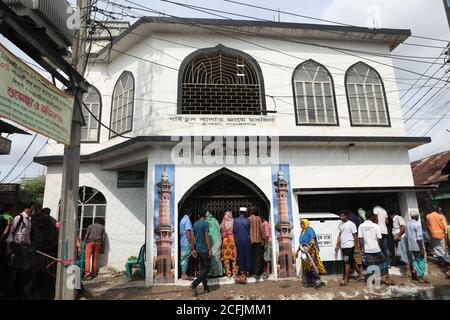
164	261
283	221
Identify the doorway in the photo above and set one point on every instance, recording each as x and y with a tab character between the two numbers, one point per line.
221	191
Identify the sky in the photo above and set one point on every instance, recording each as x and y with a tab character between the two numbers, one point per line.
423	17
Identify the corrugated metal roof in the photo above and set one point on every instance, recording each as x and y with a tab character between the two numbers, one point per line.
6	127
430	170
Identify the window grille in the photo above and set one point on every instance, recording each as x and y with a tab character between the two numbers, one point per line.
92	100
366	96
221	83
122	104
314	95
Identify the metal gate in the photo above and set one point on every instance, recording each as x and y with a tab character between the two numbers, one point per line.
221	191
220	194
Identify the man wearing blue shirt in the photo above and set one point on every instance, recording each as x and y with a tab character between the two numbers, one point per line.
186	245
202	250
414	235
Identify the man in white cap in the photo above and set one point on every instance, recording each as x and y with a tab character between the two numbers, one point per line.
415	246
241	229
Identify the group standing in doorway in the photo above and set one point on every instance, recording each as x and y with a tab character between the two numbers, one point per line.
237	247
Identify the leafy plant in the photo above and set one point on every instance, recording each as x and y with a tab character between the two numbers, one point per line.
32	190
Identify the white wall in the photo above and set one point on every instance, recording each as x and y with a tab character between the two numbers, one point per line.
310	167
408	202
156	100
125	210
156	86
329	167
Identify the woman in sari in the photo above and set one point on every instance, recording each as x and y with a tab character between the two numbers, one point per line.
228	244
308	244
216	245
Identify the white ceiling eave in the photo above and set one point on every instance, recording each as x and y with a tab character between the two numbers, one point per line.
144	30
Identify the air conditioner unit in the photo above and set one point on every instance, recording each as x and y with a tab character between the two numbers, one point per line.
52	15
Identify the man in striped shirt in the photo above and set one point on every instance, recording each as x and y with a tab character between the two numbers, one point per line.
20	274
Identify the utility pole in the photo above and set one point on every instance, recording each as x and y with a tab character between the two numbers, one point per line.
71	169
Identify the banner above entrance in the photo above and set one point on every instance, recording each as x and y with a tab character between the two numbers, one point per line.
221	120
29	99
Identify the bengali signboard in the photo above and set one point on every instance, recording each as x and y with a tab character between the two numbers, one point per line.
29	99
222	120
5	146
130	179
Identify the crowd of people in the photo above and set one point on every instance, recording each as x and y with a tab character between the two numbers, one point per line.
363	240
27	240
242	247
29	251
237	247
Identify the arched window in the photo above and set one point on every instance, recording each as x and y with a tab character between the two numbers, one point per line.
314	101
366	96
91	205
122	104
221	80
92	100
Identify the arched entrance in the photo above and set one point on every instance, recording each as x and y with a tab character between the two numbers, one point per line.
221	191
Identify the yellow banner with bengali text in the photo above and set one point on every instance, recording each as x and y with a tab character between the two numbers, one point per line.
29	99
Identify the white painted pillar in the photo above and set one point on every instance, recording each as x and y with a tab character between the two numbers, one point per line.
176	224
296	227
408	202
149	228
274	238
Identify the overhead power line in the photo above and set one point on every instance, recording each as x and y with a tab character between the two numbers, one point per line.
31	162
393	56
123	7
228	31
20	158
150	62
318	19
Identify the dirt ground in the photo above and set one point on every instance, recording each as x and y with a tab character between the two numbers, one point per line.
116	288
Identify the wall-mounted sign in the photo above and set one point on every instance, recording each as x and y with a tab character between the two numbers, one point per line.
5	146
29	99
325	240
130	179
222	120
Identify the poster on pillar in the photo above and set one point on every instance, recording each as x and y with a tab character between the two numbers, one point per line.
282	210
164	246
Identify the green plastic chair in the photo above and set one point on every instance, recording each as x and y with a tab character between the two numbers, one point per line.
136	263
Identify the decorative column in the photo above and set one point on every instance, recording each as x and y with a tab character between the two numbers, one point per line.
164	231
284	227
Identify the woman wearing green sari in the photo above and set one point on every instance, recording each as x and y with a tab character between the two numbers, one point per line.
216	245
